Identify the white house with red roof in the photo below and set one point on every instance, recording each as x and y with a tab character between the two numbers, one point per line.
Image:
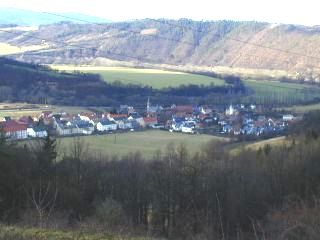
14	130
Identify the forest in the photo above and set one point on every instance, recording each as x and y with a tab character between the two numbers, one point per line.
269	193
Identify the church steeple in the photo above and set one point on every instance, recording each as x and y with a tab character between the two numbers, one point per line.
148	106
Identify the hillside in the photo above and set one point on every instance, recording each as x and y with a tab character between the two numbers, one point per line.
219	46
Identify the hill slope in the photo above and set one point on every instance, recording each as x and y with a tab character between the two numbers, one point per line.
236	45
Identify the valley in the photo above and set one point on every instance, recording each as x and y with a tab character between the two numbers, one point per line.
158	128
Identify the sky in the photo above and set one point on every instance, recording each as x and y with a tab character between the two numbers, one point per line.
304	12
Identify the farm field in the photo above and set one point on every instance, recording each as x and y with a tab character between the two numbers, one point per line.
17	110
263	91
146	142
300	109
282	92
7	49
150	77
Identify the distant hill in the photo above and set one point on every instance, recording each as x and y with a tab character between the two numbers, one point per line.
32	18
241	47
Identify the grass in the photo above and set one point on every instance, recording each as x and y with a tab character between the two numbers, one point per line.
301	109
17	110
236	148
264	91
146	142
149	77
281	92
21	233
7	49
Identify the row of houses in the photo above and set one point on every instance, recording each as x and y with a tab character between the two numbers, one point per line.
235	120
14	130
65	124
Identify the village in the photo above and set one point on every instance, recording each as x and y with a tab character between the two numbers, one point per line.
233	120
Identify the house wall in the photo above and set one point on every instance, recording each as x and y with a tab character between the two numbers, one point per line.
110	127
17	134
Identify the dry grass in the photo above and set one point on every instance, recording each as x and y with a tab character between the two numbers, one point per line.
235	149
17	110
7	49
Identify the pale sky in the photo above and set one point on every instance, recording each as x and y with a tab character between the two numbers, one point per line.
306	12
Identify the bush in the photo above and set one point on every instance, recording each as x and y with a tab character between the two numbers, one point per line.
110	213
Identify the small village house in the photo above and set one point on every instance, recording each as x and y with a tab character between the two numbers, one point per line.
105	125
14	130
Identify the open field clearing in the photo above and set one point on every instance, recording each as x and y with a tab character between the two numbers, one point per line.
284	92
149	77
146	142
264	91
300	109
236	148
17	110
7	49
15	233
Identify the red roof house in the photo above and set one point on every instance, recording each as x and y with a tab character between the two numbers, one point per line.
14	130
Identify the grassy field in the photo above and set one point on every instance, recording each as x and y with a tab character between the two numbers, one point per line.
146	142
282	92
235	148
7	49
300	109
264	91
150	77
17	110
21	233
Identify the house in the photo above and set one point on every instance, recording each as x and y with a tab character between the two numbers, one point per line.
84	127
88	117
26	120
183	108
226	128
114	117
14	130
5	119
125	109
150	121
230	111
47	117
105	125
287	117
137	118
187	129
65	128
205	110
46	114
37	132
125	124
177	127
253	107
122	121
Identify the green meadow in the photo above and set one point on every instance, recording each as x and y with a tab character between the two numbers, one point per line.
148	143
149	77
261	91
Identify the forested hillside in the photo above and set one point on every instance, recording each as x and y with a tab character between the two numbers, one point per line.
249	45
